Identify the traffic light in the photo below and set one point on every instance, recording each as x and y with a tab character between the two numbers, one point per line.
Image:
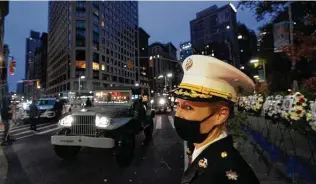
12	67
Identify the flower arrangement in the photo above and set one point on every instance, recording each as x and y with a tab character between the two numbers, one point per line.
267	105
247	102
275	110
310	116
294	107
257	102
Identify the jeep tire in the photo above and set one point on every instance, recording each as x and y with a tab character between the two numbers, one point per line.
66	152
125	146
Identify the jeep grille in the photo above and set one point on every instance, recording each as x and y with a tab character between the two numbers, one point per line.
83	125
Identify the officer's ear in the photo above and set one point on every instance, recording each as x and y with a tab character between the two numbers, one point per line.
222	112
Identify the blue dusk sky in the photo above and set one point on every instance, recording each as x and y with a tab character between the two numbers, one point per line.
163	21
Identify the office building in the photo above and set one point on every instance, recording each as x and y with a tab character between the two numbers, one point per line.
163	57
91	41
32	43
214	33
4	11
143	74
185	50
4	74
41	62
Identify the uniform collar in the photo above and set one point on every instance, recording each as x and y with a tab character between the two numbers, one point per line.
198	151
212	153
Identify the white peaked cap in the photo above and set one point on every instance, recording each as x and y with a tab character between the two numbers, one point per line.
206	77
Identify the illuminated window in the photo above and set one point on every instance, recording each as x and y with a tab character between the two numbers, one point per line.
95	66
80	64
103	67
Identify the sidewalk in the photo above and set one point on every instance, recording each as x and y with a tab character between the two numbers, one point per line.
259	166
283	153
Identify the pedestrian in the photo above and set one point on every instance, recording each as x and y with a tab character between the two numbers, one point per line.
58	107
6	116
33	116
88	103
208	90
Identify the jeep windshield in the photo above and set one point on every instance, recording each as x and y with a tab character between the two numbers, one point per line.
46	102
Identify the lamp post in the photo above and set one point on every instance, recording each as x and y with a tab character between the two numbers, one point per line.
263	66
169	75
81	77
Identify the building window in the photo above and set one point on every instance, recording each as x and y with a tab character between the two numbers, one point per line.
81	64
103	68
95	66
96	57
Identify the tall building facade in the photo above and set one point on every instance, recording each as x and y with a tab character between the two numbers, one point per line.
94	39
4	75
41	62
163	57
214	32
143	55
185	50
4	11
32	43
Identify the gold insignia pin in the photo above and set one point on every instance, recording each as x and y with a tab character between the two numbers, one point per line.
203	163
188	151
188	64
231	175
224	154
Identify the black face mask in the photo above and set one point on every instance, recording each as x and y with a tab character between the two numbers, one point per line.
189	130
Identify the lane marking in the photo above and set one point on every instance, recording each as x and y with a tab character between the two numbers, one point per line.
25	128
186	158
30	131
158	123
171	121
49	130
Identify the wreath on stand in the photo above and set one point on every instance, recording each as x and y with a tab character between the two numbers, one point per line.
294	108
275	111
311	115
247	102
267	106
241	103
257	103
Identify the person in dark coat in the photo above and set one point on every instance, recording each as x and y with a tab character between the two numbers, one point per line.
33	116
88	103
58	108
205	96
6	115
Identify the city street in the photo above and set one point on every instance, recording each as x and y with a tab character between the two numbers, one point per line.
31	160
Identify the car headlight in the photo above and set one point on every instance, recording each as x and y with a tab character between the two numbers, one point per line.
162	101
25	105
102	121
66	121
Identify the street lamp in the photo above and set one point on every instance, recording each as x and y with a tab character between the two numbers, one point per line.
263	66
169	75
81	77
136	84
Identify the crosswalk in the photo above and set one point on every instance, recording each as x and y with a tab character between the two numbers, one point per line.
159	124
23	131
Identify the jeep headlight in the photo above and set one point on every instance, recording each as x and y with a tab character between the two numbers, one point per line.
66	121
162	101
102	121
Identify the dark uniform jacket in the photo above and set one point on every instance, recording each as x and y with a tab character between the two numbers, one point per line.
219	163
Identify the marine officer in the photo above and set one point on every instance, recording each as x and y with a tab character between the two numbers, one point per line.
205	97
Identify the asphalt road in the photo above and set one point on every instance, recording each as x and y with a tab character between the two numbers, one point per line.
31	159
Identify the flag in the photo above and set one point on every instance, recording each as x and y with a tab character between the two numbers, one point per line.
12	67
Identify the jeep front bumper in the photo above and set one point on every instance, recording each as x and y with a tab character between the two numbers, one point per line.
84	141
